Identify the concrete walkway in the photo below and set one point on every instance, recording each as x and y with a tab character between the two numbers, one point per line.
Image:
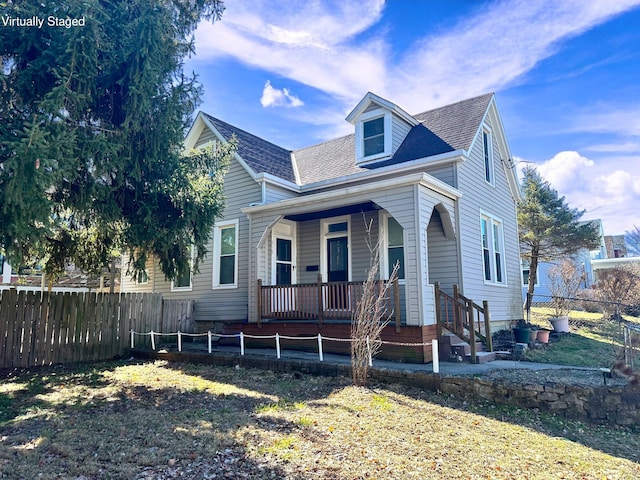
446	368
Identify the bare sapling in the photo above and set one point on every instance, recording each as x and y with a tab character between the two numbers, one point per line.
372	313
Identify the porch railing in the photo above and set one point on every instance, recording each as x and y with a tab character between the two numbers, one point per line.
321	301
463	317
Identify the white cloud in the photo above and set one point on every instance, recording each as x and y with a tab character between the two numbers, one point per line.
272	97
309	42
609	119
621	148
566	171
318	44
606	189
495	47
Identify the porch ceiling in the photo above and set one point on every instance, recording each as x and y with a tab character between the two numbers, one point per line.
334	212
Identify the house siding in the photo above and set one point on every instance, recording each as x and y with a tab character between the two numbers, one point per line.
496	200
444	173
442	256
400	130
275	194
227	304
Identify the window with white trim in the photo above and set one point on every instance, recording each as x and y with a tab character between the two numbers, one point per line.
487	154
393	252
373	136
225	249
183	278
142	278
492	250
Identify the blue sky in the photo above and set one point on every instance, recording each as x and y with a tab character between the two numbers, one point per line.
566	76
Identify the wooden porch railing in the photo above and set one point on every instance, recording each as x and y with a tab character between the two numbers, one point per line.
321	301
463	317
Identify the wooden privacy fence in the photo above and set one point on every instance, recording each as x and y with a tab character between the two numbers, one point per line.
41	329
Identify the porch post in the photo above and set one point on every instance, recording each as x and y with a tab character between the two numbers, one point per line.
472	330
259	302
396	303
320	302
436	291
487	325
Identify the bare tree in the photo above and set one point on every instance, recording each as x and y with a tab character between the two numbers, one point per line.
632	239
371	315
564	281
619	285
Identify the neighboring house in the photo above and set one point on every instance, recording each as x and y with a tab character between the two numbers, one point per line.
290	250
583	258
32	279
616	246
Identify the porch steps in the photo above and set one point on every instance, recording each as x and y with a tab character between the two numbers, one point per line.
452	348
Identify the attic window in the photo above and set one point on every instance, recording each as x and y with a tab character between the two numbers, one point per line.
373	136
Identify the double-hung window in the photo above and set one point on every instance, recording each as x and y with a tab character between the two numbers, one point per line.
225	249
393	251
373	136
183	277
492	249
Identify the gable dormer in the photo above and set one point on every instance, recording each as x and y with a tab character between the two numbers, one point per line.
380	128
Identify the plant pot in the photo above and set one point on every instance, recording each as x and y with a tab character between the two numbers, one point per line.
522	335
533	335
560	324
543	336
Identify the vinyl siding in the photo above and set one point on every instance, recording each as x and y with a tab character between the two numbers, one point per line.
275	193
401	203
443	256
206	137
496	200
444	173
399	129
240	190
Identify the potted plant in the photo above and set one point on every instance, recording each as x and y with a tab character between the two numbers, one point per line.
542	335
564	282
522	332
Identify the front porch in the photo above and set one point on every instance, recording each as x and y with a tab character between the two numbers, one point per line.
324	301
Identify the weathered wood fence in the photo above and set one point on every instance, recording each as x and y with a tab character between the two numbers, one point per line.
39	328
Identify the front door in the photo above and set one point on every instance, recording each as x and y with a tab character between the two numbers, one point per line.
337	297
284	261
338	259
283	298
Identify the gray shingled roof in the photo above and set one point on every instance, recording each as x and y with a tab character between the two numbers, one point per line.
260	155
441	130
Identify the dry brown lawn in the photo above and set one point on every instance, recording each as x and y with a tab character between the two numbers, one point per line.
157	420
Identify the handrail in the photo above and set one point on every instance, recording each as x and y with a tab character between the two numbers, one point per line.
460	314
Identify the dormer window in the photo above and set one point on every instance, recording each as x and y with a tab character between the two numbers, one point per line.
373	136
381	127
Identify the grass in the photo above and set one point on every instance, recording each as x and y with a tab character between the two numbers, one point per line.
158	420
594	341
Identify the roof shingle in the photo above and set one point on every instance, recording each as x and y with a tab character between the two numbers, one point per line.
445	129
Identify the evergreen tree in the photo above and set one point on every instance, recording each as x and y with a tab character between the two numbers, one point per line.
548	227
92	122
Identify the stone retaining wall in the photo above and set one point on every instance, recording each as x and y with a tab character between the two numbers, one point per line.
605	404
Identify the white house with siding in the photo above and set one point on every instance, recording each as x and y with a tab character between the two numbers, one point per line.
289	253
